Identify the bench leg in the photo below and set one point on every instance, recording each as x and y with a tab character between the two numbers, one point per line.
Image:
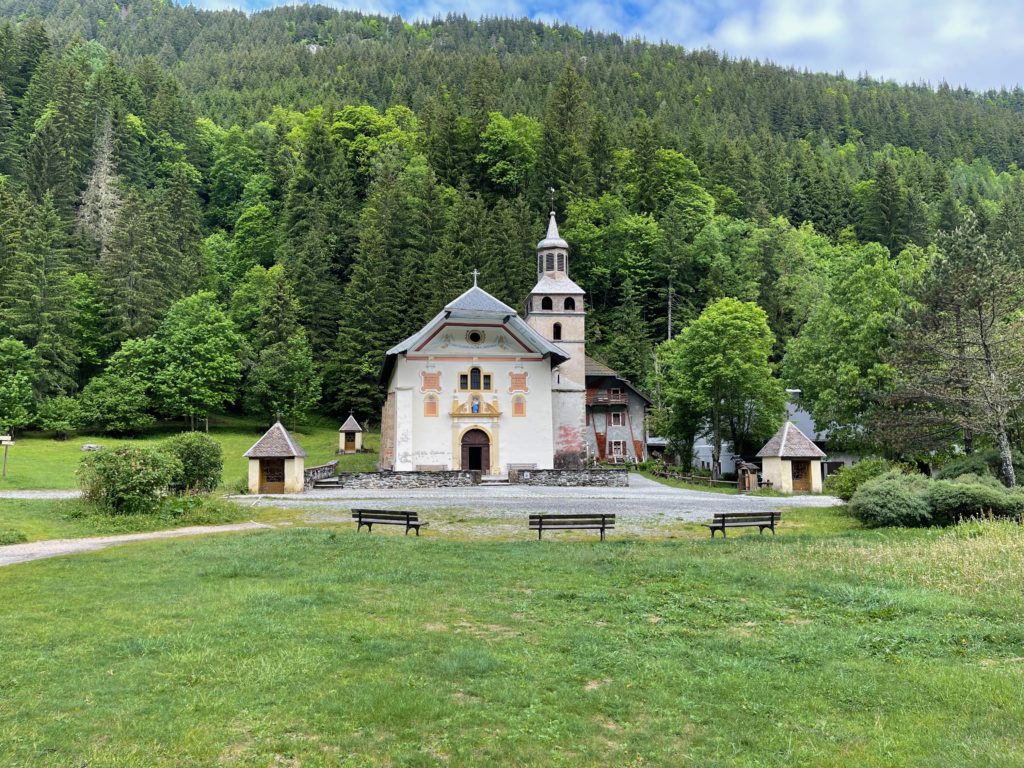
540	532
602	534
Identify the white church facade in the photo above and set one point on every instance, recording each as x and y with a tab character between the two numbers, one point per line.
482	388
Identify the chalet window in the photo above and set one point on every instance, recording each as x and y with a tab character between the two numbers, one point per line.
618	447
474	378
556	332
570	304
617	418
546	304
615	391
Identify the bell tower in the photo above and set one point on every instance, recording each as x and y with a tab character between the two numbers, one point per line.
555	309
555	306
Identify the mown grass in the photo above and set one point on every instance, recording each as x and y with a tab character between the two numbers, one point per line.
40	519
825	646
673	483
40	462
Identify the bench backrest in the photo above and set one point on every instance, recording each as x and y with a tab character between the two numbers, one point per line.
384	514
747	517
605	521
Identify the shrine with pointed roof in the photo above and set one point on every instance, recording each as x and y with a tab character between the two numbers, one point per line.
480	387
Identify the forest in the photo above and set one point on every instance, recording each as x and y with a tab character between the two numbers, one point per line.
207	211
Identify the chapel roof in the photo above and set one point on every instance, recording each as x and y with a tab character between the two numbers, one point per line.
476	304
790	443
560	285
276	443
351	425
552	239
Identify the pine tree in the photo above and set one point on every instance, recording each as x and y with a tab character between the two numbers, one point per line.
564	163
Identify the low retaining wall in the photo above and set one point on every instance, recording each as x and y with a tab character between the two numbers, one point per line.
449	479
617	478
311	474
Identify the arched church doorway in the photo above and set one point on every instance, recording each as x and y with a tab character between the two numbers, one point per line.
476	451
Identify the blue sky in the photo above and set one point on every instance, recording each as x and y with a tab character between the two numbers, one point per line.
974	43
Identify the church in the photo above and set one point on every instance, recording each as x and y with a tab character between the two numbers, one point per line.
482	388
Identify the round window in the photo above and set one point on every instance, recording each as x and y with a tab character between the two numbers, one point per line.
475	337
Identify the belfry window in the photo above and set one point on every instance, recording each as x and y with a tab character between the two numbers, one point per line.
556	332
546	304
570	304
561	262
550	263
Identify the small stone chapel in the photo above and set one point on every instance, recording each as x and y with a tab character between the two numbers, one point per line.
481	388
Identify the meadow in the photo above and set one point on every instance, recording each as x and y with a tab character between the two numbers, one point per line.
39	462
828	645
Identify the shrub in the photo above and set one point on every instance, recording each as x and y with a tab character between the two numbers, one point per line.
952	501
127	480
848	479
894	498
12	536
61	415
983	462
201	462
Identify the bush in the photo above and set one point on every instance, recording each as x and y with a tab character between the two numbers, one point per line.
894	498
983	462
952	501
12	536
61	415
201	461
848	479
127	480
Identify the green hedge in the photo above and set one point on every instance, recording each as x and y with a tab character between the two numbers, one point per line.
848	479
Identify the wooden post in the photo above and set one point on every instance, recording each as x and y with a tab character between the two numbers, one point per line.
6	446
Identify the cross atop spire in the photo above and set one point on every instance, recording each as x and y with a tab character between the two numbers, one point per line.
476	274
551	196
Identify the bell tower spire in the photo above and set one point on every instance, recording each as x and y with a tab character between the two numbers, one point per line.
553	252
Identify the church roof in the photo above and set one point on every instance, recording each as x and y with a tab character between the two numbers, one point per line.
276	443
476	299
790	443
477	304
562	285
553	239
351	425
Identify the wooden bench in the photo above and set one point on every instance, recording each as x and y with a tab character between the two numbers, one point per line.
541	523
371	517
761	520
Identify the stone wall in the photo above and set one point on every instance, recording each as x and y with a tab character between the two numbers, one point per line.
312	474
449	479
570	477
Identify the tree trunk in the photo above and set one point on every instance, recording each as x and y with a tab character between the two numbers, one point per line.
1005	457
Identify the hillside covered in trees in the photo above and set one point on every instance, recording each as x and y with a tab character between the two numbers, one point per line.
208	210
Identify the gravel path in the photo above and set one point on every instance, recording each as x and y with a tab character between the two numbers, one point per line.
643	499
45	495
36	550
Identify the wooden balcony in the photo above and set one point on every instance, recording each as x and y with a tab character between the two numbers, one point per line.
607	398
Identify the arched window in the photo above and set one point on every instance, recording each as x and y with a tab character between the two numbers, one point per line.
474	378
570	304
556	332
545	303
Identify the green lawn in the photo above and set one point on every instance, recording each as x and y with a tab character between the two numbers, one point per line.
36	462
824	646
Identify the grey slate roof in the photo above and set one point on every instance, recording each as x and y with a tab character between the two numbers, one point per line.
351	425
790	443
563	285
476	299
476	304
276	443
553	239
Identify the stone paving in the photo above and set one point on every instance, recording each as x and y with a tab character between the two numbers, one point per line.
643	500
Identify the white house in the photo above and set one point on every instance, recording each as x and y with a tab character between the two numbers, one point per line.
481	388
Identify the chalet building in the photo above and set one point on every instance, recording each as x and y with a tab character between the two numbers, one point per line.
616	415
481	388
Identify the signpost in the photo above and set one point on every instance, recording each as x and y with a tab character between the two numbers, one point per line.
6	442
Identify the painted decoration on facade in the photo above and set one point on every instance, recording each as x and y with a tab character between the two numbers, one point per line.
517	382
431	381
